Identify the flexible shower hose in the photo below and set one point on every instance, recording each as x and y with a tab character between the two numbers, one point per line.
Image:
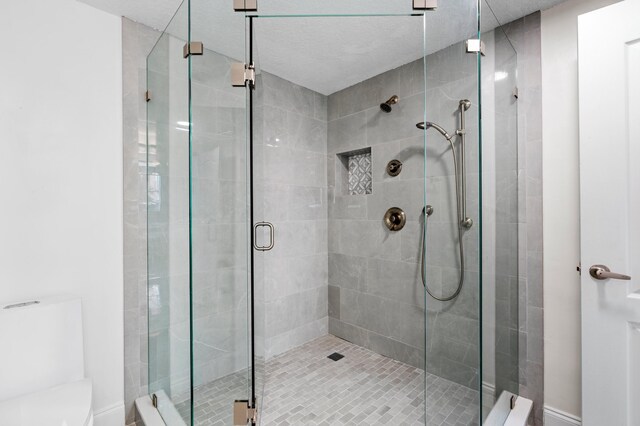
460	244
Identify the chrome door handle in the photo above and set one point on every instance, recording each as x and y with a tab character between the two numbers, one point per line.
271	236
601	272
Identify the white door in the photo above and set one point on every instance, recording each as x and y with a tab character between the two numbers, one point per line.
609	68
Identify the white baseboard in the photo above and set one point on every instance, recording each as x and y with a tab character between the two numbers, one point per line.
110	416
555	417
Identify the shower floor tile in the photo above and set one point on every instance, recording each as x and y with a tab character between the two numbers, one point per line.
304	387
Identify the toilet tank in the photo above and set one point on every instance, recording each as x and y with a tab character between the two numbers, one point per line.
40	344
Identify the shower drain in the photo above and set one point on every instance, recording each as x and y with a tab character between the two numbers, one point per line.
336	356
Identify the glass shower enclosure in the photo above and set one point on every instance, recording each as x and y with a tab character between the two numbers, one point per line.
310	260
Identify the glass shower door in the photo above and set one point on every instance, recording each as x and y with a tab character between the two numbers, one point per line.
199	292
327	341
220	216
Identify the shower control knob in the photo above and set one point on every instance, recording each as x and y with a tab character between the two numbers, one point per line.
395	219
394	167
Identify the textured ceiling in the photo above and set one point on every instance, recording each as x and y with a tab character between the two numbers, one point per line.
325	54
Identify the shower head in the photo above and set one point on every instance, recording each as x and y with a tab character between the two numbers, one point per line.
424	125
386	106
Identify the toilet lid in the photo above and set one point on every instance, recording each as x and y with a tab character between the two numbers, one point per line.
65	405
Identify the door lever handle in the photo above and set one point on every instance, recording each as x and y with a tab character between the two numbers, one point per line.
601	272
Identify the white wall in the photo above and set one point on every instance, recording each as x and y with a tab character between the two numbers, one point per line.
561	212
61	173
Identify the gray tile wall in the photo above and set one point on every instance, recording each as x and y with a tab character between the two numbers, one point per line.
291	192
376	297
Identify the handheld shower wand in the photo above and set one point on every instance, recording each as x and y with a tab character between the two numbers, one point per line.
461	199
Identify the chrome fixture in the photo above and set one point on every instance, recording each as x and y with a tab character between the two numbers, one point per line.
242	73
195	48
394	167
245	5
460	171
425	4
386	106
474	45
244	413
463	106
427	125
461	184
272	240
395	218
602	272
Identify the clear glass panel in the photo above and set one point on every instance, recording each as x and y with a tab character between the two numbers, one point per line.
453	251
168	223
220	215
500	220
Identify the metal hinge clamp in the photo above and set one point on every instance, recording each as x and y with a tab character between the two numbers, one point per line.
425	4
147	95
512	401
243	414
241	74
474	45
195	48
245	5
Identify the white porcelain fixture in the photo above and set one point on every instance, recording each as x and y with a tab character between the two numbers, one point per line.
42	365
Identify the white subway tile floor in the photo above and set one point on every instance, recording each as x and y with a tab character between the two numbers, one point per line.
305	388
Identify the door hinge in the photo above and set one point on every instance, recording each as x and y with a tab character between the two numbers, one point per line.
515	92
243	414
512	401
245	5
154	400
195	48
579	268
474	45
425	4
147	95
241	74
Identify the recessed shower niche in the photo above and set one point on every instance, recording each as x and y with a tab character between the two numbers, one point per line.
355	173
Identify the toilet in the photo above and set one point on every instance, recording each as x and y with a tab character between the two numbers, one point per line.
42	364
